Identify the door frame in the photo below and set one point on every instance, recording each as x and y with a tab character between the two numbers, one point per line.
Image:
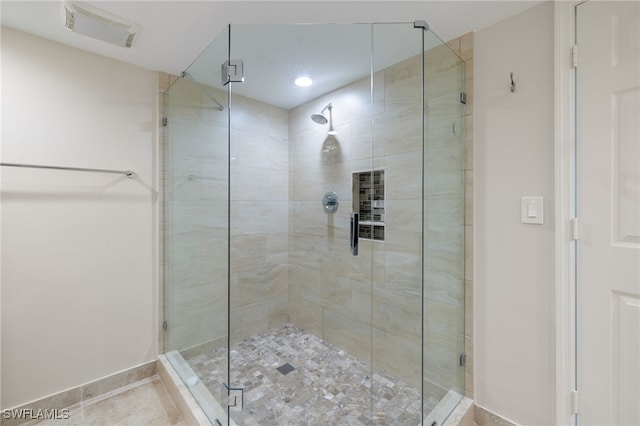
565	184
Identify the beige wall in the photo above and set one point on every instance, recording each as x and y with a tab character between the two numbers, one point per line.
514	291
78	259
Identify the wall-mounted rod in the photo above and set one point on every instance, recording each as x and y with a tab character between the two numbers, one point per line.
127	173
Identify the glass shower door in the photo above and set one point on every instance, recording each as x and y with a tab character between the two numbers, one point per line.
300	300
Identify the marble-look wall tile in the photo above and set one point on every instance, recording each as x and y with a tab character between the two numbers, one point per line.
466	46
484	417
442	368
454	45
279	310
196	176
397	312
398	356
468	374
306	315
248	320
401	81
348	334
398	129
404	218
402	175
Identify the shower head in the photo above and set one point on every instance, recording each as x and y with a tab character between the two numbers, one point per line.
319	118
322	119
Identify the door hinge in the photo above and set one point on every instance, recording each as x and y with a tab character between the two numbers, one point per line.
463	359
421	24
574	56
574	229
574	399
165	325
235	397
165	121
463	98
232	72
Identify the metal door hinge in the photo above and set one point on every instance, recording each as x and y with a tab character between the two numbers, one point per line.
165	121
574	399
574	56
232	72
165	325
463	98
574	229
463	359
421	24
235	397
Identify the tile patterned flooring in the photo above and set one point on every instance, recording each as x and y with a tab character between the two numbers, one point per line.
327	386
142	403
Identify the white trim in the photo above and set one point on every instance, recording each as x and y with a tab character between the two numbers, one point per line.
564	200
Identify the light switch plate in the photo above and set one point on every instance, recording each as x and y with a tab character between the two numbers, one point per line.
533	210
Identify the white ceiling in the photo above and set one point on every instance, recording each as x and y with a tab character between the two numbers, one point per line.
174	33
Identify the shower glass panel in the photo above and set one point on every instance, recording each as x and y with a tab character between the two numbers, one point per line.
195	209
273	315
443	185
396	291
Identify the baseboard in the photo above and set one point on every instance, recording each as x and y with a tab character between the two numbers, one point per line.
76	395
484	417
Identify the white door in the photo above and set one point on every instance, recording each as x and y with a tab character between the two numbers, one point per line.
608	208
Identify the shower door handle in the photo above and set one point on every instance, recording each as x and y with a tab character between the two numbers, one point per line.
355	227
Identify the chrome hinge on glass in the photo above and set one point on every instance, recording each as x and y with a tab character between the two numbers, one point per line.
235	397
463	359
165	325
232	72
463	98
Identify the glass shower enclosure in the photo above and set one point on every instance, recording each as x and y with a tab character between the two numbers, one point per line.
313	235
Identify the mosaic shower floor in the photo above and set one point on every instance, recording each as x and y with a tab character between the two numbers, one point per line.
291	377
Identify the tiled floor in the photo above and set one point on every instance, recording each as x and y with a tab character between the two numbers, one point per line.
327	386
142	403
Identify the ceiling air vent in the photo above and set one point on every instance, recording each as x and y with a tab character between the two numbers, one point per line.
99	24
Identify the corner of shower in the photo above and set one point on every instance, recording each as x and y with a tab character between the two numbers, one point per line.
265	304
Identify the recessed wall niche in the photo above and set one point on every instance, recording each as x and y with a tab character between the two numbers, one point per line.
368	201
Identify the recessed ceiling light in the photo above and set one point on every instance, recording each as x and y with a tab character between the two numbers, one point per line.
97	23
303	81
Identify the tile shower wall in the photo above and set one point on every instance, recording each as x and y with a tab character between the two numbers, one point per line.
259	217
196	218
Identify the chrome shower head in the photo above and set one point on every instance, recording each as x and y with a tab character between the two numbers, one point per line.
319	118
